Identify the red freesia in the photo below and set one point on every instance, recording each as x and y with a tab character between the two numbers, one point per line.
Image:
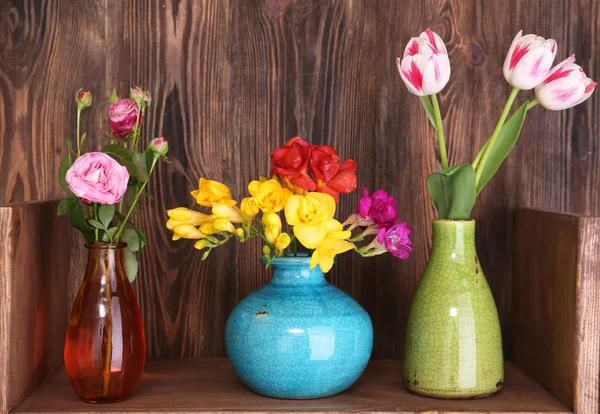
331	177
290	162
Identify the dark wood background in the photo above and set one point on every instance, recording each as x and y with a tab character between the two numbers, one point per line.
233	79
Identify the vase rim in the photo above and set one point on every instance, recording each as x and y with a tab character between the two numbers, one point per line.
301	258
106	246
450	221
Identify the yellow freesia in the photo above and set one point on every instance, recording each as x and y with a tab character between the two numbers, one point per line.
272	223
334	243
187	231
222	224
182	215
309	215
282	242
230	213
249	207
211	192
200	244
269	195
208	228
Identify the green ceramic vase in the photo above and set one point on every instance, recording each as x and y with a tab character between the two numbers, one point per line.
453	340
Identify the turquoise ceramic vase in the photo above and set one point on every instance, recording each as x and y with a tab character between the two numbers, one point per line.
453	340
298	337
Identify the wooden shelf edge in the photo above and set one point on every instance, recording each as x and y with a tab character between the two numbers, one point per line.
209	385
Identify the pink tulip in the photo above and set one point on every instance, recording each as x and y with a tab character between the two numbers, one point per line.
528	60
566	86
425	67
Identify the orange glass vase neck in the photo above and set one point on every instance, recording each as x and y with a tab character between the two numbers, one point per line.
105	349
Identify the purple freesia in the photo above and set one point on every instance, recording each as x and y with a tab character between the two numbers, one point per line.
380	207
396	240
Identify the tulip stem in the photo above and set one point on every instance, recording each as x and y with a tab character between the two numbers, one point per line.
136	199
489	146
531	104
440	131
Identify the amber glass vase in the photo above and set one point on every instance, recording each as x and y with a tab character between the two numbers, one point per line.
105	349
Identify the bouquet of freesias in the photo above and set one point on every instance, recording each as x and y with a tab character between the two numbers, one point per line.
425	70
304	190
104	188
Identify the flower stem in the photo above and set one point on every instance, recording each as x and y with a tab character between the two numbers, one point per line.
531	104
78	137
492	140
96	218
109	332
440	131
136	199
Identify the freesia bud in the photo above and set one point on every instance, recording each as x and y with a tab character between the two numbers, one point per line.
266	251
425	67
222	224
201	244
83	97
566	86
528	60
136	94
159	146
282	242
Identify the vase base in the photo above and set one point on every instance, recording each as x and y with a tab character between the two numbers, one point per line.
104	399
441	396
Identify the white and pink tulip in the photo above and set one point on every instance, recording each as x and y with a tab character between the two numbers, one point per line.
425	67
529	60
566	86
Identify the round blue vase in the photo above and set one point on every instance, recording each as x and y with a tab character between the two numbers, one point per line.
298	337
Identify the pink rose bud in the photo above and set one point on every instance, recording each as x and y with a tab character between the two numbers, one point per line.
97	178
147	98
136	94
159	146
528	60
122	116
425	67
83	97
566	86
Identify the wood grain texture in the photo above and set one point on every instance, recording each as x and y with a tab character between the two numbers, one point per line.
200	386
34	258
233	79
556	316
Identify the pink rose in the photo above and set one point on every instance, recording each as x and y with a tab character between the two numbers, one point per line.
378	208
396	240
122	116
97	178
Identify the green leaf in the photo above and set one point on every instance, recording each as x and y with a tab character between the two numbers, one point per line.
106	212
505	142
83	137
62	174
65	206
141	236
425	100
132	239
122	155
453	191
110	234
69	144
96	224
131	264
78	221
141	166
113	97
205	255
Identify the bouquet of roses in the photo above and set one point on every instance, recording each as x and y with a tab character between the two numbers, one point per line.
305	184
104	188
425	70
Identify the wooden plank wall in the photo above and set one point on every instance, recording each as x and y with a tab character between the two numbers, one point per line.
233	79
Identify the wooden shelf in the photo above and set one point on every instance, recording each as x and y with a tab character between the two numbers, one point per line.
208	385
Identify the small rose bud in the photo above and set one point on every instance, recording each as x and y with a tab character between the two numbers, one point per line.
136	94
114	96
159	146
83	98
147	98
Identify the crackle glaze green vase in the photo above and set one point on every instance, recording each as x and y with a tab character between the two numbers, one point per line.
453	341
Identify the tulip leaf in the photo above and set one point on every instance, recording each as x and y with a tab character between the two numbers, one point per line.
139	160
131	264
123	156
505	142
106	212
425	100
453	191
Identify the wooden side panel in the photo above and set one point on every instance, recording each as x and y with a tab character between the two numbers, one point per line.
34	258
556	311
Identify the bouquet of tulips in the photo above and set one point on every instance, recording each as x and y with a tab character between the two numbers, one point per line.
425	70
104	188
304	185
